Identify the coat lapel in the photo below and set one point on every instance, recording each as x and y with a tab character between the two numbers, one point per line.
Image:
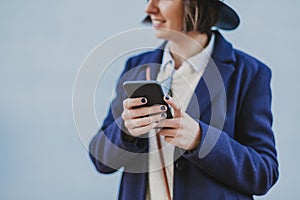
215	78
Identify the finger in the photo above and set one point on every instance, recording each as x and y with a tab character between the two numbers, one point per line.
168	132
142	130
139	122
143	112
174	123
169	139
150	110
129	103
177	109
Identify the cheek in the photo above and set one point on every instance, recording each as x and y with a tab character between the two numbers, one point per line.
178	17
177	22
174	14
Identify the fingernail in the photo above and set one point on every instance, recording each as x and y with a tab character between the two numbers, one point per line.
167	97
163	115
156	122
143	100
163	108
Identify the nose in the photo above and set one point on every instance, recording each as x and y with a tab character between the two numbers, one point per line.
151	7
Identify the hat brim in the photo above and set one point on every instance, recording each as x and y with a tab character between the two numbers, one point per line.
228	18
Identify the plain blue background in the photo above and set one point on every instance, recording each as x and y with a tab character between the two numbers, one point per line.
42	45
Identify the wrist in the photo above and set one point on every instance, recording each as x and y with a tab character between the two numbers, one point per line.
196	141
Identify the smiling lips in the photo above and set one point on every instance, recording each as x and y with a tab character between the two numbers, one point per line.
156	23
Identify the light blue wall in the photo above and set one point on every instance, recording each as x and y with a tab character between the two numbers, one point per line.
42	45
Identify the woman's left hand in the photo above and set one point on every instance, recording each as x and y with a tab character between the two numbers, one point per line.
182	130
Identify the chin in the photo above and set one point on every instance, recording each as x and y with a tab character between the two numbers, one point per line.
159	36
168	34
162	34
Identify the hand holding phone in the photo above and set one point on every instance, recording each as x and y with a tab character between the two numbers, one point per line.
151	90
144	108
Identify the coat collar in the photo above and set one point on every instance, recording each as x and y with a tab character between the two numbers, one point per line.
215	78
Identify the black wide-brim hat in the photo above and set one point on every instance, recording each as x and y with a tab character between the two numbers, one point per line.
228	18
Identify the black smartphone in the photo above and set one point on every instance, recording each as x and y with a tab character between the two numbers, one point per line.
152	90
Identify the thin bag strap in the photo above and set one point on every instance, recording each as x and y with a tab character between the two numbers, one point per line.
161	156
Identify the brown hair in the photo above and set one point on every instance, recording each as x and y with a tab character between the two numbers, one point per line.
199	15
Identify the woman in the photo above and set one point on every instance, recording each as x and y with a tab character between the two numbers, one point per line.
219	144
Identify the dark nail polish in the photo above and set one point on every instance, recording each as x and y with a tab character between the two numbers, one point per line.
163	115
167	97
163	108
143	100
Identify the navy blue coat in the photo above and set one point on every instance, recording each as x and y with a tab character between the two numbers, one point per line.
236	158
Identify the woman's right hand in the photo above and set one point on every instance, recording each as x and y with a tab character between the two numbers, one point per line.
141	120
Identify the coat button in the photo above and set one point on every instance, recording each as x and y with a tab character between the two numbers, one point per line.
179	165
176	164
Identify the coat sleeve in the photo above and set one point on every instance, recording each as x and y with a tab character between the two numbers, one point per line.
111	148
248	162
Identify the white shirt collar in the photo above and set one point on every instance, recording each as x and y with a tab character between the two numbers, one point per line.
198	62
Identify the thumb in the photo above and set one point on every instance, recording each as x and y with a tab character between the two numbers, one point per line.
177	109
